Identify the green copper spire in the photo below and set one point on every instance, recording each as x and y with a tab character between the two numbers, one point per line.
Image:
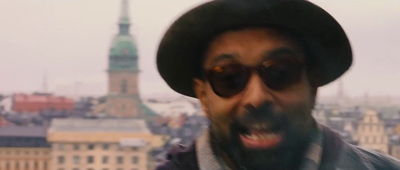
123	53
124	19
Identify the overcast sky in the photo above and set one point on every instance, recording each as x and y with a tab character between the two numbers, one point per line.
69	41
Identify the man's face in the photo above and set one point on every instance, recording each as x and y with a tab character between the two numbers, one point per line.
272	111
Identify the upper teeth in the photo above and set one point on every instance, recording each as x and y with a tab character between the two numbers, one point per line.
262	136
259	126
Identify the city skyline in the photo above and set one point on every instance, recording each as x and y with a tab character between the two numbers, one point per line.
67	43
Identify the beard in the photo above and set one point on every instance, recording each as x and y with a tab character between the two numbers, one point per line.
287	154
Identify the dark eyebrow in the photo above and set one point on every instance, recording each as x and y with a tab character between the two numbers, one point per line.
225	57
279	51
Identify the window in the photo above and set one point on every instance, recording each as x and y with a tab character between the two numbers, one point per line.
123	107
91	146
120	160
61	159
105	146
375	120
16	165
135	160
60	146
120	169
124	86
45	165
120	148
76	146
75	169
36	165
105	159
90	159
76	160
135	148
26	165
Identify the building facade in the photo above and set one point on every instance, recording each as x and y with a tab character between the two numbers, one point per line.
99	144
371	132
24	148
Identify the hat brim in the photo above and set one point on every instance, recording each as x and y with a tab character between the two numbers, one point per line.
185	41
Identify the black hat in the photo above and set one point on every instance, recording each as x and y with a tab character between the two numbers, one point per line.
184	43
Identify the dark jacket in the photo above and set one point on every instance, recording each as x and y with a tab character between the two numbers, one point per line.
336	155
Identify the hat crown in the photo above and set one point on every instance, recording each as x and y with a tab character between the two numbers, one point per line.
184	43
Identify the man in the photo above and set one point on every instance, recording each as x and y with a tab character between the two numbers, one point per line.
256	66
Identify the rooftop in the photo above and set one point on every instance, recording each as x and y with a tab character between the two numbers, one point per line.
23	131
41	98
99	125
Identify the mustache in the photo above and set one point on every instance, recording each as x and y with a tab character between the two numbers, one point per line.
262	114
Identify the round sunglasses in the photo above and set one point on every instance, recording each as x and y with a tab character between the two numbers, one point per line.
277	74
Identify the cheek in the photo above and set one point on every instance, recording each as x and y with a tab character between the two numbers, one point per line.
297	108
221	111
297	100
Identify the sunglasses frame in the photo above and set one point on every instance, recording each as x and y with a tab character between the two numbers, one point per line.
264	72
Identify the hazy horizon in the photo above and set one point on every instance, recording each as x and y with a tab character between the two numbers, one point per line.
68	41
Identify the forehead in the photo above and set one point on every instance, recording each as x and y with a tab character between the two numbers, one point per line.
249	46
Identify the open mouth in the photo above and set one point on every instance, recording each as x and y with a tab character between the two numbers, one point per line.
260	136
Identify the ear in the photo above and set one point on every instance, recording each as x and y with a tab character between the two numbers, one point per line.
199	87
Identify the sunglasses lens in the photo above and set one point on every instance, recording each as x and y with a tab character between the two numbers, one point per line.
229	80
280	76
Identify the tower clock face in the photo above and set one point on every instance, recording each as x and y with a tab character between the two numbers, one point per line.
124	60
125	51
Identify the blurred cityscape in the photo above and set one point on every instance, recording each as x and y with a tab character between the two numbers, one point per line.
122	131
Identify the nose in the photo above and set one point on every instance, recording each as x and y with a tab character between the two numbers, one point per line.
256	92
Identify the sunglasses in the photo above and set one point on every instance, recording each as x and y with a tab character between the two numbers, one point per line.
277	74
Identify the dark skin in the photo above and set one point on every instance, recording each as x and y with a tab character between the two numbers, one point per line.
288	109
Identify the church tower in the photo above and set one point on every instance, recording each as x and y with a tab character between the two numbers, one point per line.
123	96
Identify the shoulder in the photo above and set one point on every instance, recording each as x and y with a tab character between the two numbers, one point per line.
180	157
356	157
342	155
379	160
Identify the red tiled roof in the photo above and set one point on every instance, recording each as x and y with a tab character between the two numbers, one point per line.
41	99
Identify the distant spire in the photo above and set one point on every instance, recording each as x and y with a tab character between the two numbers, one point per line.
341	94
124	9
44	85
124	22
366	98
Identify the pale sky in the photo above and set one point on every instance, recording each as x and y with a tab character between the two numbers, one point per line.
69	41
